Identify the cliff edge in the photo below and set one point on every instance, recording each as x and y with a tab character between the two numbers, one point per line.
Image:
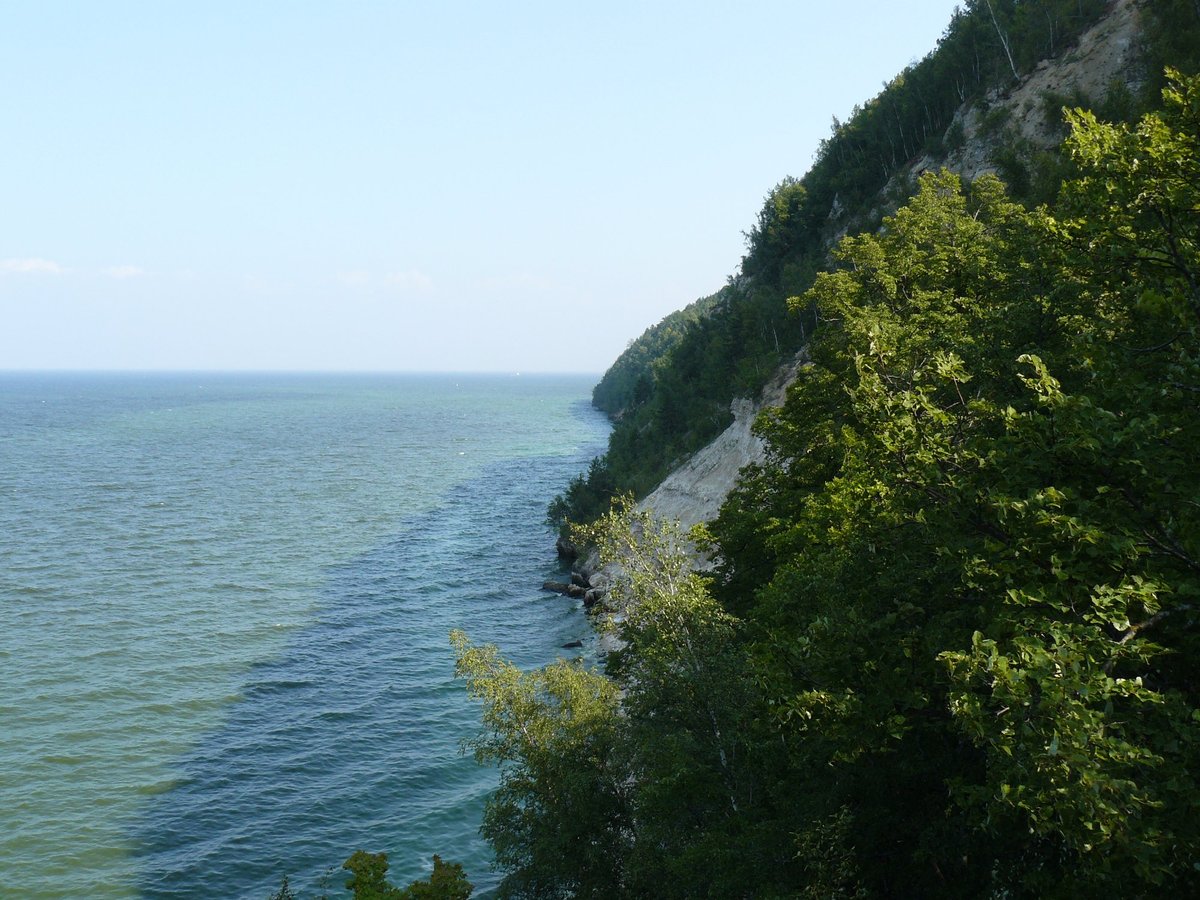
1107	55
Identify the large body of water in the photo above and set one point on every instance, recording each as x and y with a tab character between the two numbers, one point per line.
224	609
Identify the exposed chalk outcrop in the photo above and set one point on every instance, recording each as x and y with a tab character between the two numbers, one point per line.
694	492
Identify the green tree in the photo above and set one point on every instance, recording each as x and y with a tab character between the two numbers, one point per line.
975	576
559	821
662	796
447	881
1082	689
368	880
703	824
368	877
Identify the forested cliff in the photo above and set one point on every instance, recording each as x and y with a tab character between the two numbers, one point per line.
950	646
980	102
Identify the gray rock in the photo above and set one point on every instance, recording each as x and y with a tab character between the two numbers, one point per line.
601	580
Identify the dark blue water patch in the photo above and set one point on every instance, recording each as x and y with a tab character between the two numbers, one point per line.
351	739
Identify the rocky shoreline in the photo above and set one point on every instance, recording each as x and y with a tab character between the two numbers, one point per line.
590	586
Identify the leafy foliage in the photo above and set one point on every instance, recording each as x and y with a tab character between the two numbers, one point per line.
951	646
683	378
447	881
561	815
1172	39
368	881
980	525
689	724
629	381
661	797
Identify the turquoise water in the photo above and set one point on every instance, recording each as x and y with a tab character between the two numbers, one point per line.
224	607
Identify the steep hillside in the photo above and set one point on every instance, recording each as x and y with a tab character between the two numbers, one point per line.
1105	61
961	107
1011	129
948	643
694	492
629	381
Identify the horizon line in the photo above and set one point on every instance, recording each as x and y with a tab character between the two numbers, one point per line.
280	371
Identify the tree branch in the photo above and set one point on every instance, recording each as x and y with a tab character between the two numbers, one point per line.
1135	630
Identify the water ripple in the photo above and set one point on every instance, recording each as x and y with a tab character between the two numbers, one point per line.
223	623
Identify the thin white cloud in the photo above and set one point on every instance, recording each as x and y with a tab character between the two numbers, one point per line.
355	278
124	271
412	280
31	265
519	281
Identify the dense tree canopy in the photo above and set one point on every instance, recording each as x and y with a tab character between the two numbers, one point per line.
981	525
629	381
733	347
950	645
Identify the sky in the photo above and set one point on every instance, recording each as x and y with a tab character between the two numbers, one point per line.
401	186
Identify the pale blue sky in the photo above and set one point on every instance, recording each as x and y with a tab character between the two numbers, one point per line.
519	186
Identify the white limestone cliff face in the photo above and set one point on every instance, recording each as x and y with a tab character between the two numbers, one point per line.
694	492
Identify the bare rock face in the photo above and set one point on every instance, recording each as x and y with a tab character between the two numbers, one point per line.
694	492
1106	54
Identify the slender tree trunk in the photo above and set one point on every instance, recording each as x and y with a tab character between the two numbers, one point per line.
1003	41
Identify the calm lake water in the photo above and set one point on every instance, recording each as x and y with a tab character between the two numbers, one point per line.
224	609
